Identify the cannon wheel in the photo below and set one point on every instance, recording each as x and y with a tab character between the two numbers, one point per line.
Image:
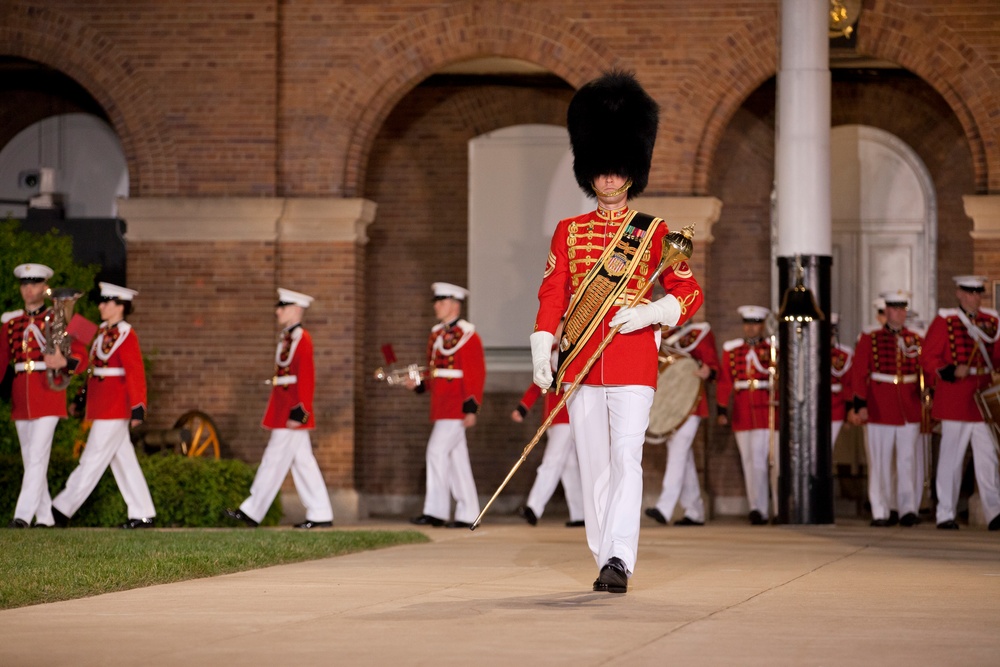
204	435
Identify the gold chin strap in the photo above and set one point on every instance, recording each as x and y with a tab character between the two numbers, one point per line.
613	193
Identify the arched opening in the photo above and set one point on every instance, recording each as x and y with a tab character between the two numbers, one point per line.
419	176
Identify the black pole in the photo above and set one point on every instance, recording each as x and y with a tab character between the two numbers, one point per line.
805	482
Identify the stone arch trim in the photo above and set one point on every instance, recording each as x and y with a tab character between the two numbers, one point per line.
419	46
91	59
927	47
720	84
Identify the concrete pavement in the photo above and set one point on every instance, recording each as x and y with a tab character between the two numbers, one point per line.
512	594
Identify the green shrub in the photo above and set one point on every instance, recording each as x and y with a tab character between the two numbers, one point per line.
186	492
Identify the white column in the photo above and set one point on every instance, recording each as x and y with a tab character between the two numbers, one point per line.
802	160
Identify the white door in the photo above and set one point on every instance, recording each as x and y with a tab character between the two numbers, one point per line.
884	227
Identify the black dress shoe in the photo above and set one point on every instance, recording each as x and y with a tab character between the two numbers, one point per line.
757	519
17	523
527	514
613	577
909	520
132	524
62	521
457	524
654	513
314	524
41	525
893	517
427	520
688	521
576	524
238	515
950	524
995	523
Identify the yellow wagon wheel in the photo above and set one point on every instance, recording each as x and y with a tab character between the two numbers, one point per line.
204	435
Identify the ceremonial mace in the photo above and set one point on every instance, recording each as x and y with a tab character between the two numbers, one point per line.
677	247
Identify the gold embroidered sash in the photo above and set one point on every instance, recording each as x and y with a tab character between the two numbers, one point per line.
603	284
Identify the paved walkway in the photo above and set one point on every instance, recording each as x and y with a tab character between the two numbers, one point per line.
509	594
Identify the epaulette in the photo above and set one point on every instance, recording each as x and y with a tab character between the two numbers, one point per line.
731	345
9	315
948	312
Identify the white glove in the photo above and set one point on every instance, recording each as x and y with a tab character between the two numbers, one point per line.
666	311
541	358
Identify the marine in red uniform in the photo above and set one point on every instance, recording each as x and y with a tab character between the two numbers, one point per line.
290	417
748	366
680	478
457	375
841	392
559	462
598	262
887	398
35	406
960	353
116	401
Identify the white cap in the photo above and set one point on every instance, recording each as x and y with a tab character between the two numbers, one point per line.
971	283
834	318
449	291
115	292
753	313
879	304
37	272
899	297
287	296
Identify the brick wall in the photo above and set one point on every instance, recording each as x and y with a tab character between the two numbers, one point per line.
313	98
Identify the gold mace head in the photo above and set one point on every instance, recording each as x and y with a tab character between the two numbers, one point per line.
678	246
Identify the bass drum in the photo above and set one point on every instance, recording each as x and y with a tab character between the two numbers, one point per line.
678	390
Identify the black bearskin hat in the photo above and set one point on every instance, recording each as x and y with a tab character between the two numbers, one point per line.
612	128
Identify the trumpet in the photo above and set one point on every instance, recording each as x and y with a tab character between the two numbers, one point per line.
394	375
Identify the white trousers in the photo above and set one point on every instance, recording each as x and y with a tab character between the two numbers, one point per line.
559	464
609	427
449	473
883	439
289	448
680	479
34	501
754	446
108	443
955	439
835	427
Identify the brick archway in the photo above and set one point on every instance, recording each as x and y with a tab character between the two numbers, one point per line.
888	31
970	86
422	44
721	84
89	58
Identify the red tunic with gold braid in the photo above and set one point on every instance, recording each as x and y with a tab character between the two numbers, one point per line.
577	244
841	391
949	344
116	388
697	340
886	364
745	376
24	340
457	370
294	381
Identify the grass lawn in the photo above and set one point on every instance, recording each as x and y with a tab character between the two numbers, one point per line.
38	566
